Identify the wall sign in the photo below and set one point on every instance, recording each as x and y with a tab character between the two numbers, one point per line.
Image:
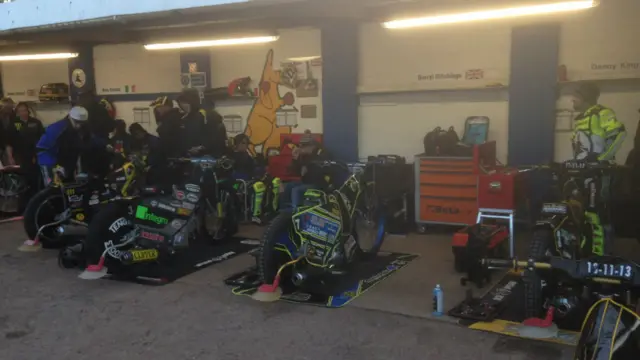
79	78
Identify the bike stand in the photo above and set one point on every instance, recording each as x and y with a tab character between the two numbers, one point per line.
500	214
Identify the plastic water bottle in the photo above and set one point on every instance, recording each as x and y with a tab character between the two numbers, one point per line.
437	301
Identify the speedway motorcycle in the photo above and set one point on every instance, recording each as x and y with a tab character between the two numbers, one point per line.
570	228
65	208
610	286
319	239
157	224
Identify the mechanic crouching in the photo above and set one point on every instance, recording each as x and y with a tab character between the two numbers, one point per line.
306	163
259	183
64	142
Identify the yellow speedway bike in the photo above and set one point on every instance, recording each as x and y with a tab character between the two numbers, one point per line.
611	286
572	227
66	207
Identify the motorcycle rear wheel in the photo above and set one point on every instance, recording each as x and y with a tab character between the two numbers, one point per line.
41	210
99	233
270	259
541	241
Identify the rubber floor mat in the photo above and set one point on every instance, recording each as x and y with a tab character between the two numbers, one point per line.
195	258
340	291
506	298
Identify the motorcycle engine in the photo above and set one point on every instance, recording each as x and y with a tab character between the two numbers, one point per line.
565	240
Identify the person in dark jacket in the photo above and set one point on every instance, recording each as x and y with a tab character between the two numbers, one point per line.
142	142
65	141
216	133
307	159
192	127
23	134
100	125
7	115
120	140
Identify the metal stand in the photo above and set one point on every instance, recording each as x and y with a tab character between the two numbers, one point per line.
500	214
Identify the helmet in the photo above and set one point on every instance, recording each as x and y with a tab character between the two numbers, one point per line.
161	101
78	113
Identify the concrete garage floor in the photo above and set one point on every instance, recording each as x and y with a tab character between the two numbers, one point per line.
47	313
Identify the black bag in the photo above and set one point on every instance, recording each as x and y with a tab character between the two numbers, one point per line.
441	142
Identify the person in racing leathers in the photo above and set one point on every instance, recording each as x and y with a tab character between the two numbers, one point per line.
63	143
260	183
597	136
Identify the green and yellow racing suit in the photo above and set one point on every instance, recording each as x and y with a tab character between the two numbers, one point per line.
597	136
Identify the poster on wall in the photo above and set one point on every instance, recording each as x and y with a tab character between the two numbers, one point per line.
299	75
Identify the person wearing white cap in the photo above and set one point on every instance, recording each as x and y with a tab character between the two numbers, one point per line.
63	142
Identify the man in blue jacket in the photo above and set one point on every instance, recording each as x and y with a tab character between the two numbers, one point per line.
64	142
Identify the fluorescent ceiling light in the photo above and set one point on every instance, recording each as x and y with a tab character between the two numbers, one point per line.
304	58
208	43
38	56
491	14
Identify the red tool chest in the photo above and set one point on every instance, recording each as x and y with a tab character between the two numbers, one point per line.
501	188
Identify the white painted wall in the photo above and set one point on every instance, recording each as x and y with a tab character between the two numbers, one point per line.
606	35
229	63
409	60
29	13
117	66
18	77
21	81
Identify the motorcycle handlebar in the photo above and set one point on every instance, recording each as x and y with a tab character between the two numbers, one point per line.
604	270
224	162
574	166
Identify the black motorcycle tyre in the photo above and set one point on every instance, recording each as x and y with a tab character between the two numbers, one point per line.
31	223
270	259
99	233
541	241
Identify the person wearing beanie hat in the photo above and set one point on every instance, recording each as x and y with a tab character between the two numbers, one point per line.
64	141
597	133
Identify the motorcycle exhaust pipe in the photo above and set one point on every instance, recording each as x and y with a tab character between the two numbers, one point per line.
298	278
71	230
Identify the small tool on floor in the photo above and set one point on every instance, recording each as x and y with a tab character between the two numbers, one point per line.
95	272
30	246
539	328
272	292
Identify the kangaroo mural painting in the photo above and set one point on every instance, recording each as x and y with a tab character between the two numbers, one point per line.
262	128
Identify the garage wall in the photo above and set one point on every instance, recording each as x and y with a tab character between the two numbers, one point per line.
21	81
260	62
129	69
601	45
413	81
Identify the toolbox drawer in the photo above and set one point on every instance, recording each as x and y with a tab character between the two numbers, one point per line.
448	210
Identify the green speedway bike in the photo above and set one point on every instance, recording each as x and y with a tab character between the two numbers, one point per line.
611	328
325	236
571	228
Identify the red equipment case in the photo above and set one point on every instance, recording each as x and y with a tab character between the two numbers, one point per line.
279	164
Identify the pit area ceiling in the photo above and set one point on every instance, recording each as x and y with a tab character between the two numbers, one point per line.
253	17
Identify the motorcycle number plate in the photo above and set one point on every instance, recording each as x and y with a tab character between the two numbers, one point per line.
144	255
319	227
621	271
555	208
